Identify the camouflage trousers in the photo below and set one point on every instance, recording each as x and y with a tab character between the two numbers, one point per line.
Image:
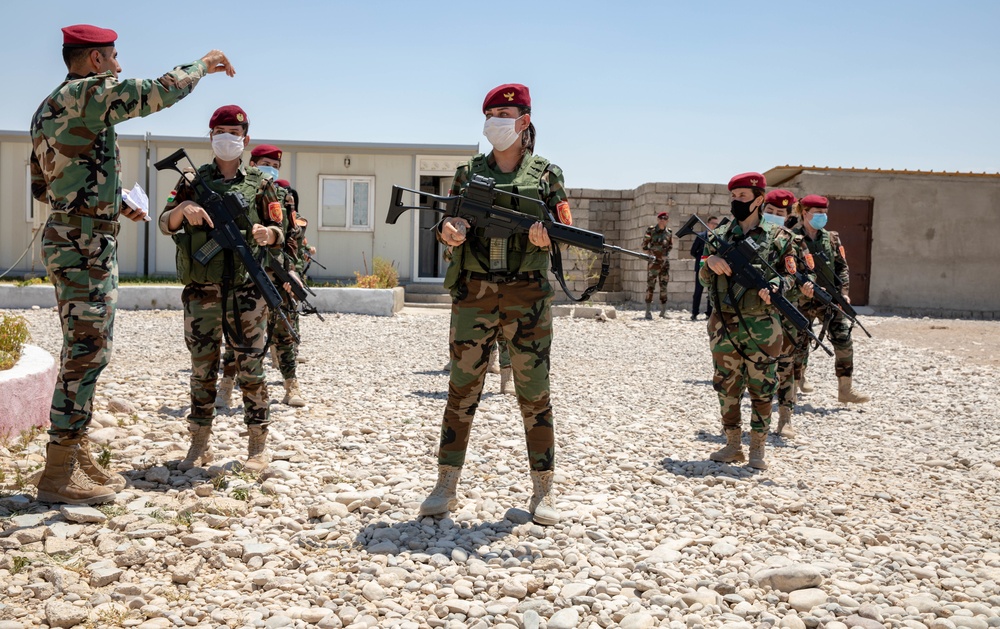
203	335
786	366
288	349
658	271
839	333
83	267
734	374
521	314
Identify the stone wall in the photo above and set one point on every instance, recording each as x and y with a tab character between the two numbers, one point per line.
623	216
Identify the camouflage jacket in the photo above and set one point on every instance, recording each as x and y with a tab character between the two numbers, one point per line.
264	207
75	164
658	242
828	256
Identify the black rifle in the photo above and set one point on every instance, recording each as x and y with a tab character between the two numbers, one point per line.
298	286
826	279
310	260
477	205
225	209
740	257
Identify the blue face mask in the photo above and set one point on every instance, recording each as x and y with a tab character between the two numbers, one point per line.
269	171
818	220
773	219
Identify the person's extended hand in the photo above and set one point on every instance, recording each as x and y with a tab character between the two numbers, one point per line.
217	61
807	290
539	236
765	295
453	231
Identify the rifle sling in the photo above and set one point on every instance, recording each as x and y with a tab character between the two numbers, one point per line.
556	256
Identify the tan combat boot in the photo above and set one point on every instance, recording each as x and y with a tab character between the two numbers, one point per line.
62	481
543	499
224	397
758	440
494	366
258	456
649	311
663	310
444	497
733	450
293	397
97	474
847	393
804	385
199	453
785	428
507	380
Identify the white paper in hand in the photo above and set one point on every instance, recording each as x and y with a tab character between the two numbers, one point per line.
137	200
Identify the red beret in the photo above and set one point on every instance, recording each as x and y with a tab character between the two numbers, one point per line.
266	150
814	200
284	183
780	198
662	215
87	36
228	115
748	180
507	95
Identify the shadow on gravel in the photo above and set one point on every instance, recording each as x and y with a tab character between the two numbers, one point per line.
437	536
434	395
431	372
173	412
705	467
706	383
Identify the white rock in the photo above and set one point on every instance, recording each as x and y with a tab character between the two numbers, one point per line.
78	513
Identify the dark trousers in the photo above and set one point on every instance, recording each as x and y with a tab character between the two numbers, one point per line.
698	288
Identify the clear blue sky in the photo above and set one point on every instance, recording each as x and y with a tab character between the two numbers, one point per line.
624	92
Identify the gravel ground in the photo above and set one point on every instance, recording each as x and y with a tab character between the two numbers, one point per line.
880	515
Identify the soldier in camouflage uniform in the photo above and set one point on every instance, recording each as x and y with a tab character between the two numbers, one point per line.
744	328
658	241
75	170
267	159
777	206
829	259
208	295
500	288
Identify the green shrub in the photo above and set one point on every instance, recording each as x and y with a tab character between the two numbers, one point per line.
13	335
384	274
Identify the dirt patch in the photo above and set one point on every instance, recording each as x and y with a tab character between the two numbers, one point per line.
977	341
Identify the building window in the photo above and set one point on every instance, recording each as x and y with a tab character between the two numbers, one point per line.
346	203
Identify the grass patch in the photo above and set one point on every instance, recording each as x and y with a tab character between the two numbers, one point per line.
20	563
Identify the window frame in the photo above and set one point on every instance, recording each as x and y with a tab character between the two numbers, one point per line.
349	208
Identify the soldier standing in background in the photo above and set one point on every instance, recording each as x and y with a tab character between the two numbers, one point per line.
75	170
209	294
658	241
777	206
744	329
698	253
284	349
831	261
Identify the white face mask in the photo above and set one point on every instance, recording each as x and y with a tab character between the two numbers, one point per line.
227	146
500	132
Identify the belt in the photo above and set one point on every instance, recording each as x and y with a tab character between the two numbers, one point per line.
88	224
504	277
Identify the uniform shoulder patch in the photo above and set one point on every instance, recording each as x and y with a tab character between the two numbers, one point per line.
810	263
274	211
790	265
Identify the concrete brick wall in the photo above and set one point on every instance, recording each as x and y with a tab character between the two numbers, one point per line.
623	216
